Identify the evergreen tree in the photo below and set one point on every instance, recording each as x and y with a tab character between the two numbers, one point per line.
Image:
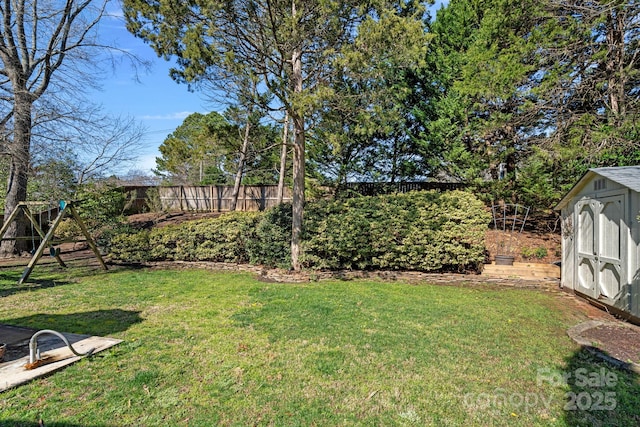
197	146
294	47
543	89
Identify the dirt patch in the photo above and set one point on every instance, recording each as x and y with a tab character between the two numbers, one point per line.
150	220
621	341
528	246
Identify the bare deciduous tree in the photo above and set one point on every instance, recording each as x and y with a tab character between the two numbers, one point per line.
48	56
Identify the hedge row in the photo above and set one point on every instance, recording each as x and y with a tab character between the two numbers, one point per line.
426	231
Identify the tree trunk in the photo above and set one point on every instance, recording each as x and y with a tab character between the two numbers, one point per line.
241	161
19	149
283	159
615	64
298	164
298	192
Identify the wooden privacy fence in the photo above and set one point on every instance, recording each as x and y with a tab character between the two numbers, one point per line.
218	198
43	212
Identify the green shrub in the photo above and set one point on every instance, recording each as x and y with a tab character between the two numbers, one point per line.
130	247
425	231
338	234
171	243
225	239
104	238
529	253
222	239
100	205
68	229
153	202
272	245
541	252
526	252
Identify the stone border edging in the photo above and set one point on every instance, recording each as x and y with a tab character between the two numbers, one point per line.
279	275
575	333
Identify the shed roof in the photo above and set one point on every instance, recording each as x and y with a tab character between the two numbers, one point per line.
628	176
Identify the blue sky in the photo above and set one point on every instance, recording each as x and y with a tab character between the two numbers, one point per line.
155	100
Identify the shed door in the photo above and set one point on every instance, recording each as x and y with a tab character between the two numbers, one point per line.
600	243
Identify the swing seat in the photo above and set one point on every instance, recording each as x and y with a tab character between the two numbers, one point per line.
54	252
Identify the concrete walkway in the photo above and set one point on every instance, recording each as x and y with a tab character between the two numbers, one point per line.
53	351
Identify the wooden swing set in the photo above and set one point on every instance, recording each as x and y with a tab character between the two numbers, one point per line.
65	208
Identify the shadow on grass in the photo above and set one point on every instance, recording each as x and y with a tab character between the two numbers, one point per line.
101	322
9	276
601	391
12	287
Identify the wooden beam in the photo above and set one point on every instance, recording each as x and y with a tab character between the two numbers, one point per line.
87	236
48	238
42	234
45	242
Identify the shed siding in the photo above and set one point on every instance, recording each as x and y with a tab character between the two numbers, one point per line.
567	270
620	205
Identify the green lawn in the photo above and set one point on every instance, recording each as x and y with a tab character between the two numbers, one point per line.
203	348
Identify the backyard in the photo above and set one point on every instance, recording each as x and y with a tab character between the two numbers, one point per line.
210	348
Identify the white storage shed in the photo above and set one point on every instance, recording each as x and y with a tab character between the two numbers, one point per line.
601	238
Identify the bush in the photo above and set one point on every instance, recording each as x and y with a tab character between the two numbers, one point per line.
528	253
272	245
100	205
130	247
222	239
339	234
153	202
68	229
227	238
427	231
241	237
172	243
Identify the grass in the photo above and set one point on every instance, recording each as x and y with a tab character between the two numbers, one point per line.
205	348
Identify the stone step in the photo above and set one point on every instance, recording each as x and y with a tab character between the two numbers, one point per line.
522	270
